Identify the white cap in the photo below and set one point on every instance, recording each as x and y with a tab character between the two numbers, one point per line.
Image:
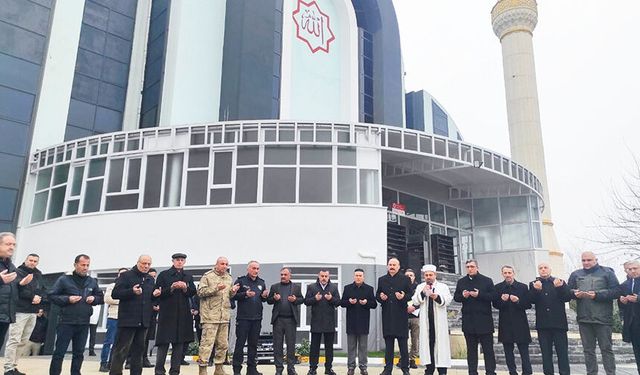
428	268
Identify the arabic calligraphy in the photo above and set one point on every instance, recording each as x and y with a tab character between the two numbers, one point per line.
312	26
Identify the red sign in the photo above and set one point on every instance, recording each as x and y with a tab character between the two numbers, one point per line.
398	208
312	26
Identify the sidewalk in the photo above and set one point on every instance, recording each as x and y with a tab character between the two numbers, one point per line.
40	366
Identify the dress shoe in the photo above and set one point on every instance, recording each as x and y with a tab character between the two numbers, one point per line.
386	372
253	371
127	366
184	363
92	353
329	372
104	367
363	371
405	372
412	364
312	372
146	363
351	371
14	371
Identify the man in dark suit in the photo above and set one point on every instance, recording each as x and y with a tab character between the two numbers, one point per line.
285	298
629	291
476	292
323	297
512	300
358	299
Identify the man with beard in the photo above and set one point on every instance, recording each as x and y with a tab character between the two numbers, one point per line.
134	289
30	299
285	298
358	299
432	298
174	287
76	294
8	283
323	298
476	292
512	300
393	293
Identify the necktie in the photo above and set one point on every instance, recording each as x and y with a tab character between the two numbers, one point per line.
633	285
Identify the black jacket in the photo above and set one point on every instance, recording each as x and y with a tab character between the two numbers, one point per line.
477	317
27	292
323	317
249	308
550	304
134	310
295	290
39	333
175	322
395	322
630	311
358	316
8	294
513	326
75	285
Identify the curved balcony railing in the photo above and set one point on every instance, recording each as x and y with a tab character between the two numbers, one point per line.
251	162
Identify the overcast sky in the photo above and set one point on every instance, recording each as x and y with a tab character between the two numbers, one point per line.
587	56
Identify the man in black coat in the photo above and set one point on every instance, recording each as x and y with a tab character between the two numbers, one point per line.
174	288
134	289
476	292
252	292
286	298
629	291
323	297
358	299
30	299
550	296
512	300
76	294
9	282
393	294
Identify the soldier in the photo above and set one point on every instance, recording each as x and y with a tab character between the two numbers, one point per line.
215	291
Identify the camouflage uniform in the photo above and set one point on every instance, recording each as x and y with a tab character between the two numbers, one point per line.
215	311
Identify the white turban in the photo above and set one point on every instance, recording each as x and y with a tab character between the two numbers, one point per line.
428	268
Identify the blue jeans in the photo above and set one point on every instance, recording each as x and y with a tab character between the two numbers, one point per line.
76	333
109	339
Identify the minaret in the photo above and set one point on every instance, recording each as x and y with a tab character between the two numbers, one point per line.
513	23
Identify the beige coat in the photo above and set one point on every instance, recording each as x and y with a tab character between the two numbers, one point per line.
112	311
215	305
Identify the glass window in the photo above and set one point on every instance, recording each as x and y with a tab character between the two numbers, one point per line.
537	236
76	186
44	179
347	156
246	185
437	212
315	155
388	197
347	185
56	203
280	155
452	216
279	185
197	188
514	210
437	229
220	196
72	206
92	196
199	157
516	236
315	185
415	206
486	238
286	135
248	155
122	202
96	167
153	181
535	209
173	180
369	188
61	174
39	206
485	211
222	168
465	219
116	167
133	178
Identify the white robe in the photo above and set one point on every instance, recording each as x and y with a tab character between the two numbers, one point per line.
442	351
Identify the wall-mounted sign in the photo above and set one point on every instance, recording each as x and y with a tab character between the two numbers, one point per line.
398	208
312	26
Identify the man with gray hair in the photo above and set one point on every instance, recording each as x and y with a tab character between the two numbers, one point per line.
630	307
595	287
9	282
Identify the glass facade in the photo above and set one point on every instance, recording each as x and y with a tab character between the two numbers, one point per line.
251	60
102	68
154	64
440	120
24	29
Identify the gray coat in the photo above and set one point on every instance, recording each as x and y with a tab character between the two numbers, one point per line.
603	281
